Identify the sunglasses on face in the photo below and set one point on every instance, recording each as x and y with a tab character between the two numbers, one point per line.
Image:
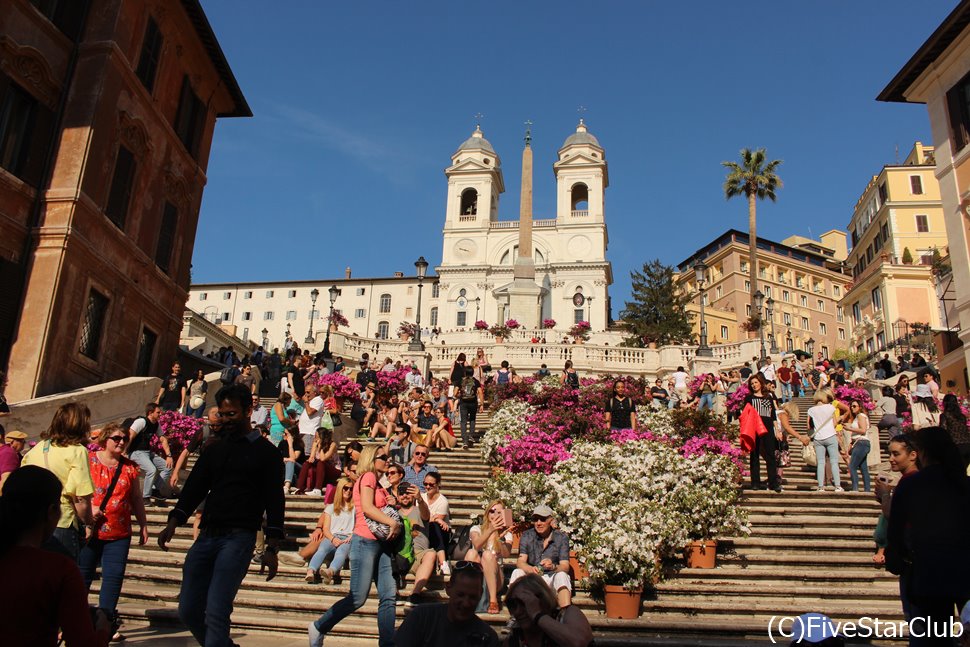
420	453
380	457
118	439
538	518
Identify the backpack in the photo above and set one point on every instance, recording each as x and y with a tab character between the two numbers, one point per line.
503	377
572	379
468	389
460	543
228	375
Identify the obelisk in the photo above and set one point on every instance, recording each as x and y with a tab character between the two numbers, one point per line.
524	294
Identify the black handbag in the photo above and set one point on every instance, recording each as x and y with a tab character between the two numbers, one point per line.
336	419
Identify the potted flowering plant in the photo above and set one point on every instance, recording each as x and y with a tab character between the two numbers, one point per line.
343	387
407	330
548	323
512	324
500	332
392	382
481	325
178	428
580	332
336	320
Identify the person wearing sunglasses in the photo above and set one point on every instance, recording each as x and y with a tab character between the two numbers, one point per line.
543	550
116	498
453	622
439	529
539	620
491	544
370	559
419	467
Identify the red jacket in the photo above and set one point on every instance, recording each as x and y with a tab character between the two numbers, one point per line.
752	426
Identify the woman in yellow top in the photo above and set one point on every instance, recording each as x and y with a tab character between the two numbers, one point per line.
63	451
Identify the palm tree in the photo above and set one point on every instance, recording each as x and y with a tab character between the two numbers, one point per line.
756	180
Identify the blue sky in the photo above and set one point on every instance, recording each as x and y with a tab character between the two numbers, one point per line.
359	105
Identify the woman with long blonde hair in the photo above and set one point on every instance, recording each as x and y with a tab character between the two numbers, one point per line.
370	558
491	542
335	527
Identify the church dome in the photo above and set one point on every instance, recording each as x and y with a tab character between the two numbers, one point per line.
477	142
581	137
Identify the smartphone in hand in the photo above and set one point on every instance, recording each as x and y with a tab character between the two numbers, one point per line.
507	518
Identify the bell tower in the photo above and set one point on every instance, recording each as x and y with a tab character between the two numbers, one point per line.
474	184
581	178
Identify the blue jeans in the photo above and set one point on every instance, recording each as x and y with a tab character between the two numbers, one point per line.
151	465
858	462
290	468
370	561
706	402
195	413
786	391
326	549
214	568
830	445
112	555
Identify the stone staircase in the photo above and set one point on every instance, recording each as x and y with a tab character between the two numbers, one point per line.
807	551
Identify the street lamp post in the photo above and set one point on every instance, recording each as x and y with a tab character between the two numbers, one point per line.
334	292
416	344
265	338
788	344
313	308
700	275
589	316
759	302
771	309
810	346
478	303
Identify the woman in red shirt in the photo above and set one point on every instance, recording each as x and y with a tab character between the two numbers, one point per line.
109	538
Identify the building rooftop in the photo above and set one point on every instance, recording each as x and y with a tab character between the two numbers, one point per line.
582	136
477	142
951	27
799	253
204	31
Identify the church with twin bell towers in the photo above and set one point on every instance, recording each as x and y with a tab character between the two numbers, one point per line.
533	268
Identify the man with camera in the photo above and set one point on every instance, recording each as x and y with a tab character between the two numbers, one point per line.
413	507
545	551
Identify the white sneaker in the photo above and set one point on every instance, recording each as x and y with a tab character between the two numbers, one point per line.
314	492
839	489
291	558
821	489
316	638
445	568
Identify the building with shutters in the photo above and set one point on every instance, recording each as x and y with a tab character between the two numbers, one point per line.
107	113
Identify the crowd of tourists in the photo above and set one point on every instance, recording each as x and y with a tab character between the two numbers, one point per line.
71	505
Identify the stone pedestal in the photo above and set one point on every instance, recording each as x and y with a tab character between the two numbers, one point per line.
700	365
524	303
420	358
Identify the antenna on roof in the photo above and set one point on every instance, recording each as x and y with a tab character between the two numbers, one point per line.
897	154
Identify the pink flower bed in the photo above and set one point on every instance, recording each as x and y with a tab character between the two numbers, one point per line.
343	386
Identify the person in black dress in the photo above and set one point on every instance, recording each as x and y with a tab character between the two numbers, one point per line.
620	410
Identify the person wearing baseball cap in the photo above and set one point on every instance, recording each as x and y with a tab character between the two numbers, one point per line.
548	560
11	444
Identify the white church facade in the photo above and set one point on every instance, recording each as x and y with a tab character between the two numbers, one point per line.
481	276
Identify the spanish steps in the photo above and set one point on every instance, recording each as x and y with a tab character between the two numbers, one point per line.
807	551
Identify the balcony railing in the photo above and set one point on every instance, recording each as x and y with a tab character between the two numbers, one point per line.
580	213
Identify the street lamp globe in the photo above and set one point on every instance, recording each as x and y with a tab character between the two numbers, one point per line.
700	271
421	266
759	300
334	291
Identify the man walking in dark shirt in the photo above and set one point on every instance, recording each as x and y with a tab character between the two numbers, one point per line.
240	476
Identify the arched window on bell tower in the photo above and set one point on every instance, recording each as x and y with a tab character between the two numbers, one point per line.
579	199
469	203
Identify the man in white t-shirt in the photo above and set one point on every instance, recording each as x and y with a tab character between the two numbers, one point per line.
680	378
310	417
768	369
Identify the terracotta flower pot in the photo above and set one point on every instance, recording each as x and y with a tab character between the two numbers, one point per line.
579	569
701	554
622	604
499	340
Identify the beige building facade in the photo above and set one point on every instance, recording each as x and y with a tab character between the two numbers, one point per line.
896	227
803	277
938	75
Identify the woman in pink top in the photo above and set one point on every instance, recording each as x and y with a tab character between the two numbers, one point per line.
370	558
